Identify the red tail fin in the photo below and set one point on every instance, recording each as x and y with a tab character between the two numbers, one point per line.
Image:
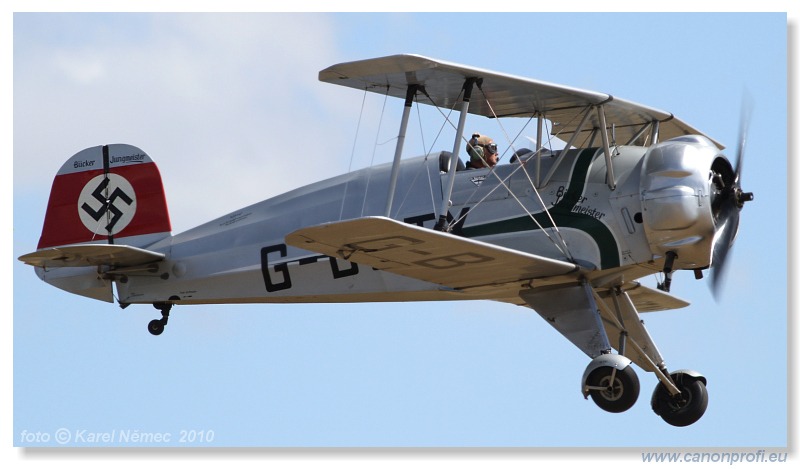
108	193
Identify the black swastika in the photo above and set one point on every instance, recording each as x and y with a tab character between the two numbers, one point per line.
109	206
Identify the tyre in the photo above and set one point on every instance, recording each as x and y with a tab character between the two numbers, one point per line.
613	390
156	327
685	409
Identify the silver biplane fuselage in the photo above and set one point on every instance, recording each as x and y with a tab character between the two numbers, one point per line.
564	232
243	256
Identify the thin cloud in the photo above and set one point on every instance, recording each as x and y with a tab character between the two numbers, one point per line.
222	103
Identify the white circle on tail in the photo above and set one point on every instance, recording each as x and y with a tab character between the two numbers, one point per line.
107	204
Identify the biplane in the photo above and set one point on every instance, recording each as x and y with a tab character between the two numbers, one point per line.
567	232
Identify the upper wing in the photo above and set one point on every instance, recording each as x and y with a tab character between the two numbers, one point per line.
509	95
87	255
424	254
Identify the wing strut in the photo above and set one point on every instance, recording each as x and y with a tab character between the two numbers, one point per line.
539	146
441	224
612	182
654	132
398	151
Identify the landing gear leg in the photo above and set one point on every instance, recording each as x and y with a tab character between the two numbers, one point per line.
156	326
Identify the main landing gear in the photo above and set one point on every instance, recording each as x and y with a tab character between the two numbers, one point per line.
680	398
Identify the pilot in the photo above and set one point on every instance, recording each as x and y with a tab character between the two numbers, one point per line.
482	152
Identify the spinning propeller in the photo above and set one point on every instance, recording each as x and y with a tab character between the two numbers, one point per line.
728	203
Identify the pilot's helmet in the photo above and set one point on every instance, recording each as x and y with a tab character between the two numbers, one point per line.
479	146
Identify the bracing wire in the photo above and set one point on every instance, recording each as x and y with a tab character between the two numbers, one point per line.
424	165
420	168
427	155
353	152
428	150
562	246
563	250
374	150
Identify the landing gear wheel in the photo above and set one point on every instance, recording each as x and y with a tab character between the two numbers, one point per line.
684	409
156	326
613	390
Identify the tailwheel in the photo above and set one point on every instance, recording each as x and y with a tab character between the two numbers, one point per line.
156	326
612	389
685	408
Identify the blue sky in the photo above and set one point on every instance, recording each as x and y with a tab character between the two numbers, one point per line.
230	109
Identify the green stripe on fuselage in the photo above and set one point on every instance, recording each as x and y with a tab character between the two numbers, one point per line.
563	216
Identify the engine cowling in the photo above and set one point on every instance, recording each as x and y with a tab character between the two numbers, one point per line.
681	183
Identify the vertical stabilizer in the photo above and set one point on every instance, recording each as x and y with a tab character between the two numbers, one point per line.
108	193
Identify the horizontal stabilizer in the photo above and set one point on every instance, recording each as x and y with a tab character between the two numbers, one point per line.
87	255
424	254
